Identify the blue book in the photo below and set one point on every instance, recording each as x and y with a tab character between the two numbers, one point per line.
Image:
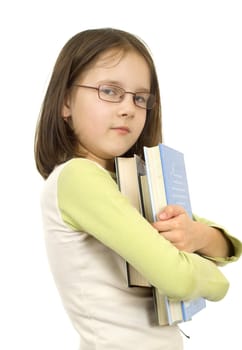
175	177
190	308
167	183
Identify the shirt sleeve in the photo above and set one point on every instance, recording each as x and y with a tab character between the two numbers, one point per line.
90	201
237	245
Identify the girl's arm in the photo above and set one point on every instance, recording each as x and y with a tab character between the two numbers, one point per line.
197	235
89	201
213	242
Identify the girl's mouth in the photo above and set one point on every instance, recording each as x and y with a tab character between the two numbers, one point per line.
122	129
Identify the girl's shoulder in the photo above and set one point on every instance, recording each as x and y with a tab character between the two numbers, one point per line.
78	176
79	166
81	169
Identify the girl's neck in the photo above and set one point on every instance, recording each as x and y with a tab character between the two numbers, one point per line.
107	164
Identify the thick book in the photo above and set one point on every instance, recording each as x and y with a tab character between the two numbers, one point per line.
132	182
167	312
167	183
128	172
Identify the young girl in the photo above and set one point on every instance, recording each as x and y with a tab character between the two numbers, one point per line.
102	102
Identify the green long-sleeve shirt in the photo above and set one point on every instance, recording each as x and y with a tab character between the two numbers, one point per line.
91	230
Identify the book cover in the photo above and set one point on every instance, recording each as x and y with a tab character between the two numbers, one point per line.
175	177
167	182
190	308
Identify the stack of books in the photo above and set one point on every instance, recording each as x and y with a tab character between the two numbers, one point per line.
150	185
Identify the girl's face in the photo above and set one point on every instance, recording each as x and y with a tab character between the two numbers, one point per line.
105	129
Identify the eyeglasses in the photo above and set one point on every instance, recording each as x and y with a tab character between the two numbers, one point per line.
115	94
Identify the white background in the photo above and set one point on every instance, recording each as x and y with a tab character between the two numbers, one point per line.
197	49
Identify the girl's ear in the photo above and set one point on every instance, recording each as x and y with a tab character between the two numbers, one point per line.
66	110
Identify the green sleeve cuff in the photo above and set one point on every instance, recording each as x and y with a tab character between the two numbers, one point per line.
236	243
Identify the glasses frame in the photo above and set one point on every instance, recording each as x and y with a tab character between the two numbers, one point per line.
123	93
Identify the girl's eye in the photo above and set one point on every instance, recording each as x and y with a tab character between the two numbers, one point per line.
110	91
141	99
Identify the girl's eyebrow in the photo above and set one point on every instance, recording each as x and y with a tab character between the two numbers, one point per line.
118	83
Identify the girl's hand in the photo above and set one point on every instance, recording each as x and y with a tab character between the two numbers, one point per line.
176	226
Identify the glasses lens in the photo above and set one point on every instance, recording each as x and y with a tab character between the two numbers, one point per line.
110	93
113	93
144	100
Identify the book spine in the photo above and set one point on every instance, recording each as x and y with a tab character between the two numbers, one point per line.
155	180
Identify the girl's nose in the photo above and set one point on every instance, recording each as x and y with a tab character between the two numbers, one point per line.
127	107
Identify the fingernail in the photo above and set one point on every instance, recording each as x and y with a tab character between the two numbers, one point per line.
162	216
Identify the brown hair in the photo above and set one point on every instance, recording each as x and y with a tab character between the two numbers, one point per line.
55	141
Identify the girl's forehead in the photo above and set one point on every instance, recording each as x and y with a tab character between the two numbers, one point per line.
112	57
119	65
